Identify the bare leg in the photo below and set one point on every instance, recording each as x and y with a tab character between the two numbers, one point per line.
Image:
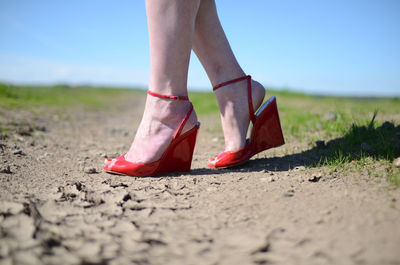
171	28
212	48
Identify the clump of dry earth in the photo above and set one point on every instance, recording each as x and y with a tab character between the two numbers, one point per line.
58	206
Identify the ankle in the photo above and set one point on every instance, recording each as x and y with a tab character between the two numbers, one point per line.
168	87
165	110
219	73
237	92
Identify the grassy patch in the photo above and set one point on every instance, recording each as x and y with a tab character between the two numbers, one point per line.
204	102
363	146
61	95
378	142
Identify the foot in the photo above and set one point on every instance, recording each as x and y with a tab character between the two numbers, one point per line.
160	121
235	118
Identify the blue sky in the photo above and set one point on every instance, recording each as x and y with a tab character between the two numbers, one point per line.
325	47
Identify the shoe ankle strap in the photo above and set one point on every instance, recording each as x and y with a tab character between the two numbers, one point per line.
167	96
248	77
249	97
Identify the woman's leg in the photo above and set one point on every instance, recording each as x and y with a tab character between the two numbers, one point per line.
214	52
171	29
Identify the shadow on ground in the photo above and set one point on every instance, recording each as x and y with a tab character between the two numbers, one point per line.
382	142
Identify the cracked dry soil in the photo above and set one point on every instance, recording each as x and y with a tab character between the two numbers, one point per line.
58	207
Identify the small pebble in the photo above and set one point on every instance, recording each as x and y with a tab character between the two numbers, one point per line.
314	178
5	169
289	193
18	152
299	168
271	179
90	170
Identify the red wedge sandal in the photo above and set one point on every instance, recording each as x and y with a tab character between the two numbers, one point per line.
265	132
177	157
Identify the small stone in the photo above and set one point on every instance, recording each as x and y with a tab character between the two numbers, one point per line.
299	168
289	193
396	162
18	152
94	198
5	169
366	147
90	170
314	178
320	144
271	179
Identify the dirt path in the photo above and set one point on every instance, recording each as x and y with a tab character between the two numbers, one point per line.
58	207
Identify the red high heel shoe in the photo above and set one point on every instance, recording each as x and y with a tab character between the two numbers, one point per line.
177	157
266	131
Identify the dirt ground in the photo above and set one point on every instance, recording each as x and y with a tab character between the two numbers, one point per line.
57	206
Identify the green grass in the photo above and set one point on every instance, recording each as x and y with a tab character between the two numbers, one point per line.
204	103
345	124
60	95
